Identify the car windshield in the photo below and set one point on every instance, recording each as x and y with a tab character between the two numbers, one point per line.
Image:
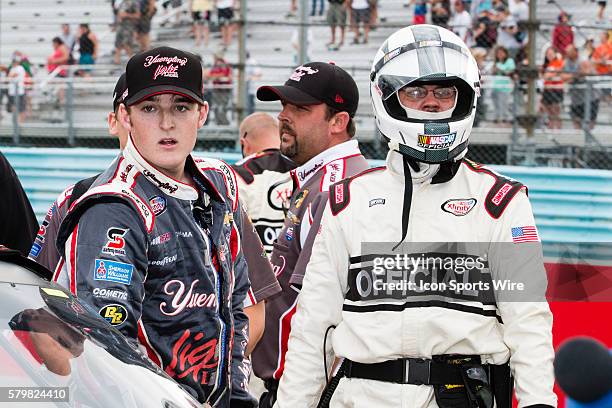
50	339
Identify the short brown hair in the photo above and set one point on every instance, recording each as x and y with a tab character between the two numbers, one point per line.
350	127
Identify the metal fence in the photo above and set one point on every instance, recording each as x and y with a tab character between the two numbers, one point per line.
548	105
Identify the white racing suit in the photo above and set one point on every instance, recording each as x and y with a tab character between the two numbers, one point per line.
465	203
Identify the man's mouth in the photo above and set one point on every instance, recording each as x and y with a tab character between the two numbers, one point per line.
286	132
168	142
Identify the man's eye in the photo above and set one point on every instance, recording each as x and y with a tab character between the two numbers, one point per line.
182	108
148	108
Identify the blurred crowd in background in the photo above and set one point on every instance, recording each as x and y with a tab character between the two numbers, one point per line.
574	68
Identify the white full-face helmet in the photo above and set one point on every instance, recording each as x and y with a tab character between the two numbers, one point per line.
421	55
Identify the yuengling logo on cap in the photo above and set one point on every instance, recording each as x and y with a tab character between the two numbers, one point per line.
170	70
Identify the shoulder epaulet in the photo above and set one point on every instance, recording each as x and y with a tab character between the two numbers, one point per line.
229	177
339	193
81	188
244	173
118	189
501	193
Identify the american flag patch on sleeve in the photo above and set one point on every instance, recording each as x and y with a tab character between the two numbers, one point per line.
528	233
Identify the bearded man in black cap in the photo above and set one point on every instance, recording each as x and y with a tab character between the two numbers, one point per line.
316	131
156	243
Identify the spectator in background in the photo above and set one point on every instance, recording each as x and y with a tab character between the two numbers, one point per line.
16	91
563	34
480	56
508	34
292	10
601	11
461	22
225	13
313	9
221	76
420	11
373	13
501	84
440	12
3	87
360	14
485	32
175	4
58	58
68	39
127	19
143	25
602	56
575	72
336	17
17	219
88	48
478	6
552	97
253	73
201	11
519	9
588	48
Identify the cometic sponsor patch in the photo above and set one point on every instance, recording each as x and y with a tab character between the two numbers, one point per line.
114	314
112	271
436	141
109	294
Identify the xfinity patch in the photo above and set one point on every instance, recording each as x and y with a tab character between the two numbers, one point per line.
435	142
459	207
112	271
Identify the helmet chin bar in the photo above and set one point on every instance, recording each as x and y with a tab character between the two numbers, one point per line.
457	153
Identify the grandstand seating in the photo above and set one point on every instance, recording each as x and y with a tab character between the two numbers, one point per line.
30	25
570	206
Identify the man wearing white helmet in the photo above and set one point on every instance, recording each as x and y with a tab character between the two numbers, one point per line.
428	270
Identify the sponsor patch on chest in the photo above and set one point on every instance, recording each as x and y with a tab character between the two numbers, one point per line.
459	206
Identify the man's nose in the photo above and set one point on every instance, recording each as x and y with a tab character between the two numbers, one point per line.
430	101
166	121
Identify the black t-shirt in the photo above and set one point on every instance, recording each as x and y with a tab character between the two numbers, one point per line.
489	36
18	224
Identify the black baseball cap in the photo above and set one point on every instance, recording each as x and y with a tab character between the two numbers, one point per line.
118	93
314	83
164	70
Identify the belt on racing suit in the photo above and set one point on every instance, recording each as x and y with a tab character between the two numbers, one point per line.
417	371
482	382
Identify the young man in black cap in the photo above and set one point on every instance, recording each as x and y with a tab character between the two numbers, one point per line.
316	130
155	244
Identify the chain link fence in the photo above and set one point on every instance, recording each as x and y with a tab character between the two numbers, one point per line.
552	111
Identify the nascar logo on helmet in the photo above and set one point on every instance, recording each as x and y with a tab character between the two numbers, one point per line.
423	55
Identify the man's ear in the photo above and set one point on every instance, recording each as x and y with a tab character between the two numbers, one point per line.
112	124
124	118
339	122
203	114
